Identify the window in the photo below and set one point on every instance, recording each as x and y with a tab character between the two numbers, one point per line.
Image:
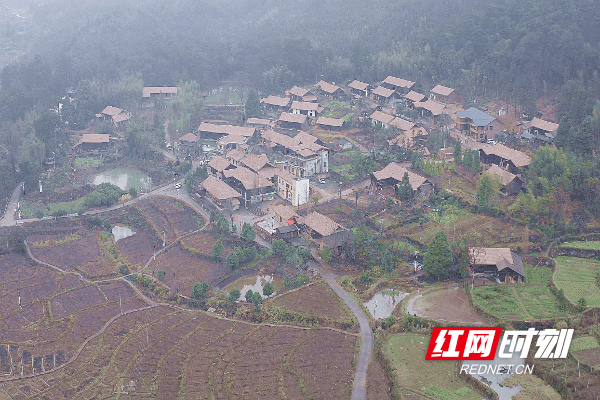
491	128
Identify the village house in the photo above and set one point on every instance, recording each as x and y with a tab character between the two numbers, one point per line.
431	108
299	94
293	121
187	145
220	193
478	124
510	184
500	263
411	98
402	124
260	123
284	215
331	91
230	142
514	161
391	177
326	231
117	116
218	165
397	84
281	226
215	132
304	154
444	94
292	188
304	108
408	138
360	88
275	103
539	130
253	187
93	142
381	93
159	92
330	124
382	119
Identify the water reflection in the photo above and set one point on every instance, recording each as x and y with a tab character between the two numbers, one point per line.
121	232
384	302
494	380
124	178
257	287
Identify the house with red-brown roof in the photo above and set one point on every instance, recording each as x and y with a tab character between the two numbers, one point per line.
93	142
330	124
220	193
306	108
218	165
159	92
397	84
215	131
305	154
510	184
392	175
514	161
116	115
188	145
411	98
500	263
330	90
381	93
275	103
326	231
293	121
444	94
360	88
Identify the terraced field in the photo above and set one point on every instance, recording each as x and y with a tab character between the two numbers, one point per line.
577	278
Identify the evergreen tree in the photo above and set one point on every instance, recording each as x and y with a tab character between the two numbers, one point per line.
200	290
252	105
248	234
234	295
457	153
405	190
476	162
468	158
488	187
438	259
268	289
217	249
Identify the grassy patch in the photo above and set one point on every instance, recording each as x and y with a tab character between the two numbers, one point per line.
405	247
407	355
591	245
50	242
534	388
341	168
86	162
584	343
538	274
577	278
539	301
498	300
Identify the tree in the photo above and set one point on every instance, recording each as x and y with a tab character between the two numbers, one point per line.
457	153
304	254
438	259
488	188
476	162
326	254
234	295
252	105
268	289
160	275
200	290
217	249
248	234
256	299
233	259
405	190
248	296
278	246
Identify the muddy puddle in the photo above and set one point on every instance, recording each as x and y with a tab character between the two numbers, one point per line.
384	302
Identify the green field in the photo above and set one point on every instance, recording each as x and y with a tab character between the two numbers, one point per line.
539	302
591	245
406	352
538	274
85	162
577	278
499	301
583	343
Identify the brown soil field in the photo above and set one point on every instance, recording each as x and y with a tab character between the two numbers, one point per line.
180	215
447	304
165	353
378	386
183	269
136	249
200	242
76	300
317	299
70	255
589	357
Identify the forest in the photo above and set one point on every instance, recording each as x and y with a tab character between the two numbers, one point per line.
508	49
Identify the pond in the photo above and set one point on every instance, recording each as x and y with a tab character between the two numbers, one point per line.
494	380
384	302
257	287
125	178
121	232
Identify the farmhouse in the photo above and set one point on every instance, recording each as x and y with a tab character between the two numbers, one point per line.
306	108
360	88
500	263
230	142
260	123
539	130
478	124
188	145
397	84
430	108
330	90
510	184
330	124
284	215
160	92
383	94
391	176
293	121
513	160
93	142
253	187
298	93
381	118
221	193
411	98
305	154
215	132
217	165
325	230
292	188
444	94
275	103
408	137
117	116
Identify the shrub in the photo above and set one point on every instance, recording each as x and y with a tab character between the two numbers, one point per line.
161	275
234	295
268	289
